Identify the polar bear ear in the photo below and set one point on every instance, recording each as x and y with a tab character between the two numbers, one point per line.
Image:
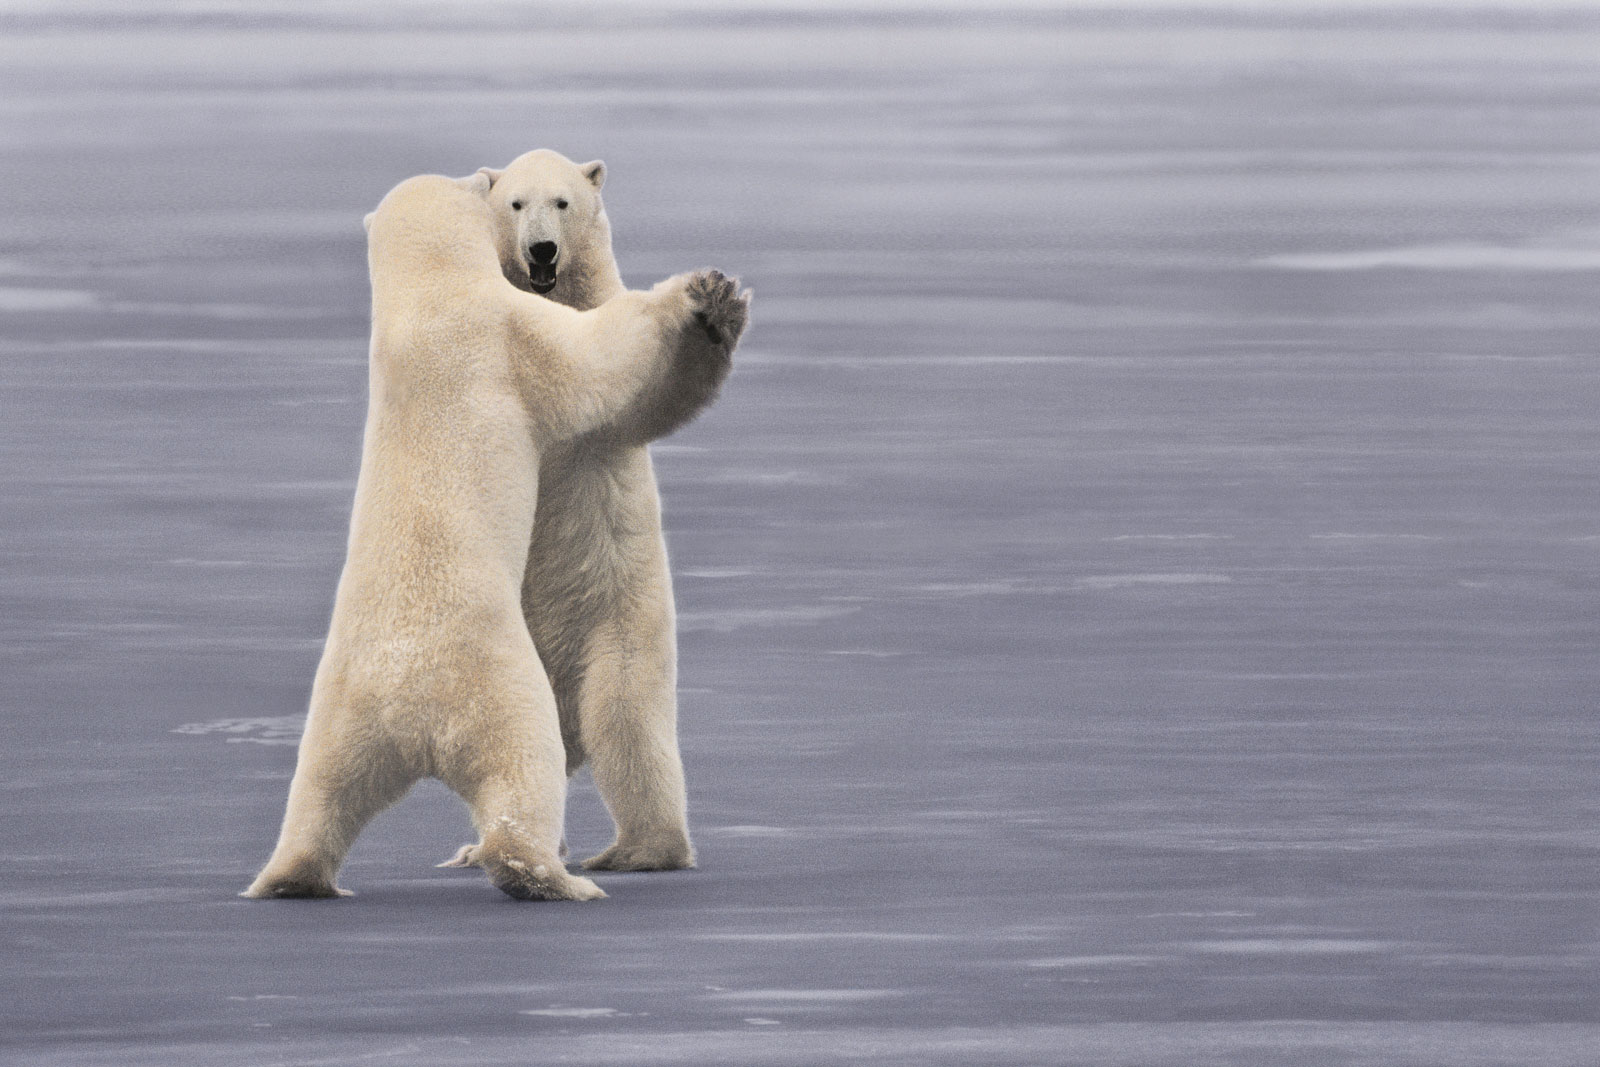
595	171
366	223
492	174
477	184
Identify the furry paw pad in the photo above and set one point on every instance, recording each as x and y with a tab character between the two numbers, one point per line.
720	309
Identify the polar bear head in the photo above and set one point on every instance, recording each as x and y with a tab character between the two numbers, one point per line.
548	217
446	223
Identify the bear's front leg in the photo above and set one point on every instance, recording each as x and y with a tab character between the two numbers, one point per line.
707	313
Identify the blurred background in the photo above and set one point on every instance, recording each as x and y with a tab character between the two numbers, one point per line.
1137	592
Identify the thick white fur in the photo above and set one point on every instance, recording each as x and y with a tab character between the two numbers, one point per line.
429	668
597	592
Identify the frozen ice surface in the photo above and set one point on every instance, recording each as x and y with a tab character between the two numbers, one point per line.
1139	588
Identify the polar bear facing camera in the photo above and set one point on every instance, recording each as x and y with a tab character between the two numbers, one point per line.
429	669
597	591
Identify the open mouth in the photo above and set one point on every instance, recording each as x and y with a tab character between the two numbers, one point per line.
541	277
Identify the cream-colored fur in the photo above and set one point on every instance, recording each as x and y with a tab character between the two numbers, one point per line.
429	668
597	592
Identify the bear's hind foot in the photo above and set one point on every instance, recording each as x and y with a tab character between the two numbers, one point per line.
467	856
653	856
526	880
294	888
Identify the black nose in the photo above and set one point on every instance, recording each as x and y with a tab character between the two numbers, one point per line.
543	252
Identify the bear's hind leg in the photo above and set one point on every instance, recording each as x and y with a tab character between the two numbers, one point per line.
522	861
629	714
330	800
517	789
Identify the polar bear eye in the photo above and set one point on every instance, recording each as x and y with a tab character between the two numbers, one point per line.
516	205
561	205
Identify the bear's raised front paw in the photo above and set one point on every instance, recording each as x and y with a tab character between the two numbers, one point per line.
654	856
719	308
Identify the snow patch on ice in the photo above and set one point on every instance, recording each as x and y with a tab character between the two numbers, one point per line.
13	299
1273	946
757	476
805	996
963	589
1344	536
739	619
1124	581
267	730
1452	256
1172	537
1113	959
826	935
870	653
268	996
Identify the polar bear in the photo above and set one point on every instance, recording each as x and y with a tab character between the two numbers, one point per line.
597	592
429	669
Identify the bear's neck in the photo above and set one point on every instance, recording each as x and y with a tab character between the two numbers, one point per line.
592	277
